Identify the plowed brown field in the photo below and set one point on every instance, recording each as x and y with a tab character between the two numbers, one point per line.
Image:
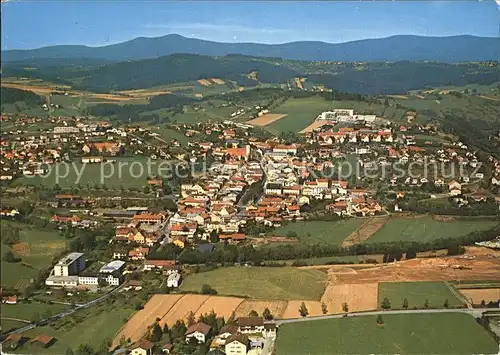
264	120
478	295
277	308
156	307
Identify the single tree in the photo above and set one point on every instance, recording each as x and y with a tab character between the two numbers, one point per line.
267	314
191	319
253	313
165	328
446	304
324	310
156	333
69	351
380	320
232	318
386	304
303	310
345	307
405	303
426	304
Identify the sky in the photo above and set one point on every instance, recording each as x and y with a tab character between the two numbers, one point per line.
95	23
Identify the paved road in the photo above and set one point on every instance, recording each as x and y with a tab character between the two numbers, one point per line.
268	345
477	312
67	313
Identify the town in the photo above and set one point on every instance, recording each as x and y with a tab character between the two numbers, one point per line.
265	181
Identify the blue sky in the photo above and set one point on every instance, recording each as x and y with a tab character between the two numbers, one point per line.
41	23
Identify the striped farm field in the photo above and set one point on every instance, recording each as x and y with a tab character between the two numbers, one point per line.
277	308
170	308
264	120
478	295
157	307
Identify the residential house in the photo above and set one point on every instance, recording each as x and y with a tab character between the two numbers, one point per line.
236	344
144	347
198	331
12	341
43	340
232	238
166	348
138	253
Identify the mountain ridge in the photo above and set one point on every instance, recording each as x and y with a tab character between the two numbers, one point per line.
393	48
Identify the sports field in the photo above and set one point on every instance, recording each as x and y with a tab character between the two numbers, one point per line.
426	229
313	232
449	333
284	283
36	248
416	293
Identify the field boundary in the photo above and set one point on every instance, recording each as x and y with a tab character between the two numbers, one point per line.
458	295
357	236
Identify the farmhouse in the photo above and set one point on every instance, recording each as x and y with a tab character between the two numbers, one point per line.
249	325
159	264
43	340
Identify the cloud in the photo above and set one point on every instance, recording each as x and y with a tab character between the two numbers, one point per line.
199	26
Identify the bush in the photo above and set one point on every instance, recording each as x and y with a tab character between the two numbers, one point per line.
208	290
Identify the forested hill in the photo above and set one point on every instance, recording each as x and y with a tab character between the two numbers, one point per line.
241	71
10	96
395	48
182	68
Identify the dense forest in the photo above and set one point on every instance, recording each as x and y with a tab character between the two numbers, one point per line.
363	78
10	96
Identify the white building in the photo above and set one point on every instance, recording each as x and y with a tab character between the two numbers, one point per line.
71	264
62	281
113	266
199	331
236	344
174	279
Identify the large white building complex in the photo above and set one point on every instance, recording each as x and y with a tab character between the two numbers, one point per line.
345	115
71	264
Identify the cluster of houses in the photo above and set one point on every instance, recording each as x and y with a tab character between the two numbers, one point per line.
247	336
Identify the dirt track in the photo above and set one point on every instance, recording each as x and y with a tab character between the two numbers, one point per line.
364	232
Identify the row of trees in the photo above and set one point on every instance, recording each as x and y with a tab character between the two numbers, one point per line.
386	304
391	251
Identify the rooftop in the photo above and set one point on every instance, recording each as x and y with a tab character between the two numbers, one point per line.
68	259
112	266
